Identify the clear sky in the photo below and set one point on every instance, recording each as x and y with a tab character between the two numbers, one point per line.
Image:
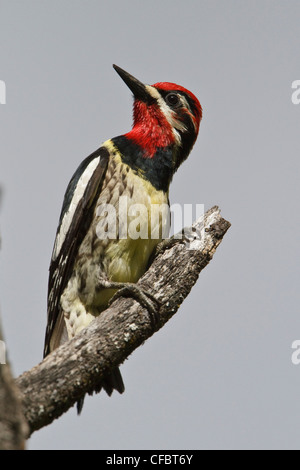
219	374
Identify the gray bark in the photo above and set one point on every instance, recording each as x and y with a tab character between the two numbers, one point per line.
13	427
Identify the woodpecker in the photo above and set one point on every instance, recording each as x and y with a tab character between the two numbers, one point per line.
87	270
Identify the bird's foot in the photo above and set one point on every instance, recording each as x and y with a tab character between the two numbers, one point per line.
165	245
168	243
145	298
185	236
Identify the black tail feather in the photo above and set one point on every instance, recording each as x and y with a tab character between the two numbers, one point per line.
79	406
113	381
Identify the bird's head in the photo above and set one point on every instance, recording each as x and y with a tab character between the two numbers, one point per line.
165	115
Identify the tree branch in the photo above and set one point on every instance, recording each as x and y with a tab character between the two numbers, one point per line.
13	427
77	367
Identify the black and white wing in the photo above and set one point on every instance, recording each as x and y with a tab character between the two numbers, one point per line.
76	216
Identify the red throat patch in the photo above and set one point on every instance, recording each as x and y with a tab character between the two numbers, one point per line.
150	128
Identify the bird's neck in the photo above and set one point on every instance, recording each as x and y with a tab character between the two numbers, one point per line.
151	130
149	139
157	169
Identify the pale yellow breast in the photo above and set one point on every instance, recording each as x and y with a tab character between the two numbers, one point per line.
142	219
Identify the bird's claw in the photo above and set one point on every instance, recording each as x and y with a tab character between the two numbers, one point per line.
145	298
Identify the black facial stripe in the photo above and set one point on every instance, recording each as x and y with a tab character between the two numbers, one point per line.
188	99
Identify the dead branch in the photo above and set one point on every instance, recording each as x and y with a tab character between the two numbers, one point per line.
13	427
77	367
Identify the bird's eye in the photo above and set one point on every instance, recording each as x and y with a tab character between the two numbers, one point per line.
173	99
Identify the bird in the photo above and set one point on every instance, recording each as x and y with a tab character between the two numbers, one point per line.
88	270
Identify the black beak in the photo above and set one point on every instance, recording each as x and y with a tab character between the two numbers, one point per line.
138	88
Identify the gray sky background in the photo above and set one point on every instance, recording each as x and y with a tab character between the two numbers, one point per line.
219	375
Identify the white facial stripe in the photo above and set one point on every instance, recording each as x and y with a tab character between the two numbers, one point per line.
78	194
153	92
168	112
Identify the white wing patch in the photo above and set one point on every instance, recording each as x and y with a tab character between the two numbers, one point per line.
78	194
